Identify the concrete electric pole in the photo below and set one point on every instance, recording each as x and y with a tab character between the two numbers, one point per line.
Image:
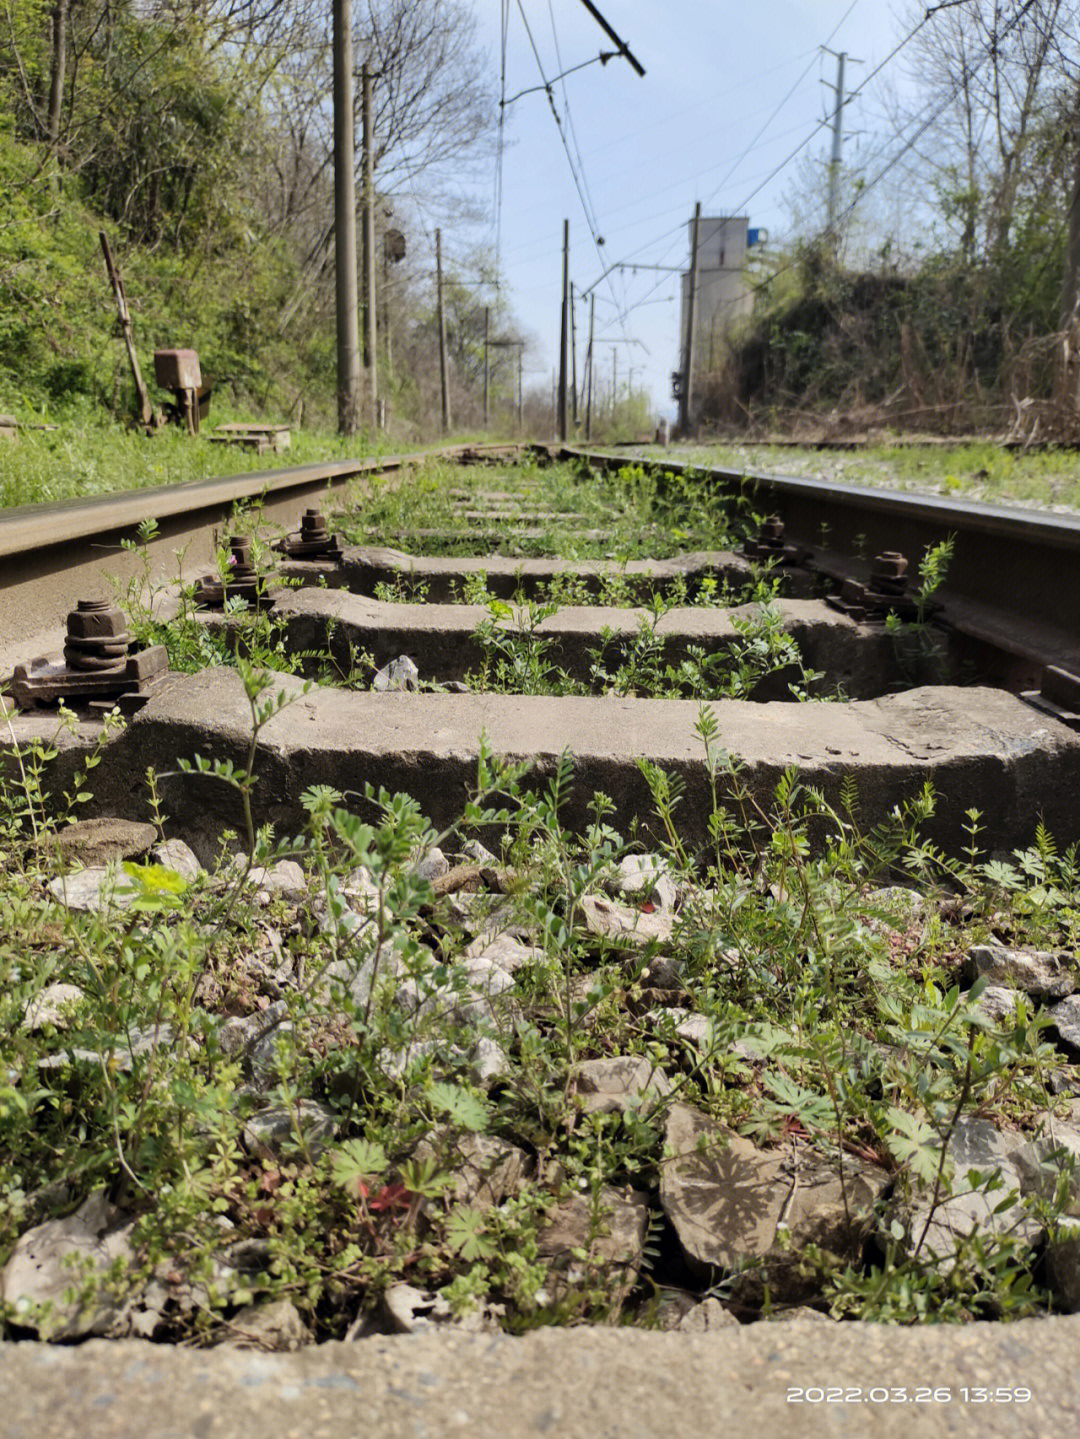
444	378
370	361
564	331
688	355
348	322
837	143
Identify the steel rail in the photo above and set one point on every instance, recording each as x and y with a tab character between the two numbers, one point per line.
1013	583
52	555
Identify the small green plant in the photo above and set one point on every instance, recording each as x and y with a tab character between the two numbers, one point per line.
920	649
516	651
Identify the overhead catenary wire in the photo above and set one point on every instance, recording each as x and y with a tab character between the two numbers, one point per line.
820	125
590	221
677	229
504	29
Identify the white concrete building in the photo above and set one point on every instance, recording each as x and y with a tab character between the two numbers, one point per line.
723	296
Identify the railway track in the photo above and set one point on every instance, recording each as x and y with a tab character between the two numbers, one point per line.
1008	614
667	684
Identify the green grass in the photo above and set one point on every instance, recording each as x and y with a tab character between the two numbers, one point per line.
636	515
80	459
835	1022
980	470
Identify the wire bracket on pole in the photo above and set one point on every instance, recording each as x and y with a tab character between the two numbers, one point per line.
624	49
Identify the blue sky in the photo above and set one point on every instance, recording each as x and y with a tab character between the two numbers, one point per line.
647	149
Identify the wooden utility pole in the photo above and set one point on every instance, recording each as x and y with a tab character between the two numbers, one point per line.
564	330
521	388
589	370
444	378
487	336
56	78
348	323
370	353
688	356
614	380
146	409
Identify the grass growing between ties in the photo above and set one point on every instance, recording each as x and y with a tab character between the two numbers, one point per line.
565	509
368	1066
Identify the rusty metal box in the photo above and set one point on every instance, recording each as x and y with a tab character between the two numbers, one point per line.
177	369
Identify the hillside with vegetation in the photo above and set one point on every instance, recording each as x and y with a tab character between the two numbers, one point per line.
199	138
944	295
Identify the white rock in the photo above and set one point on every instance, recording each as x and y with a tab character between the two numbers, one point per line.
399	674
1066	1020
285	878
432	865
705	1317
138	1043
647	876
270	1133
505	951
419	1311
488	1061
174	854
612	920
1038	972
619	1084
276	1326
94	889
40	1271
976	1144
903	907
52	1006
996	1001
396	1063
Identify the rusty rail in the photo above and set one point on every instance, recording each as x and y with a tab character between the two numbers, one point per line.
52	555
1013	583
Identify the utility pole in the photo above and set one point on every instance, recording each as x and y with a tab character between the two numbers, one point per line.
589	370
348	324
573	357
837	144
443	376
614	380
487	323
370	361
521	388
564	330
688	354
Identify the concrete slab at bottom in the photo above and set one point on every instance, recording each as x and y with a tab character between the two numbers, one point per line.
575	1383
979	747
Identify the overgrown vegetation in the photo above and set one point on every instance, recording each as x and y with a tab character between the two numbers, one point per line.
282	1083
568	510
952	305
978	470
370	1061
200	140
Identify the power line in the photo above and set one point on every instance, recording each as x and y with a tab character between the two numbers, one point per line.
928	14
581	190
677	229
931	120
